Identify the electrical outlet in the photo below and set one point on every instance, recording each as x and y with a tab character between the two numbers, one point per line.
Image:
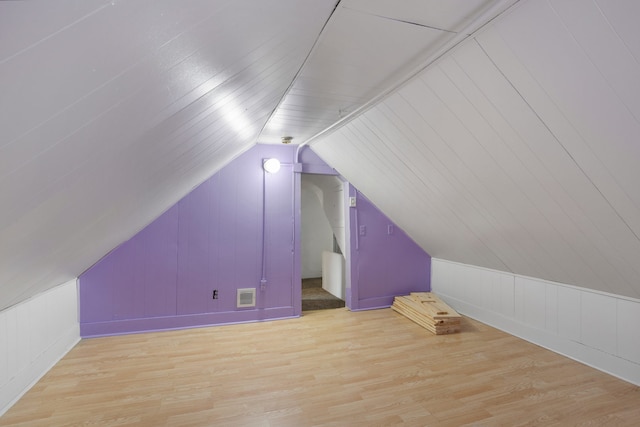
215	294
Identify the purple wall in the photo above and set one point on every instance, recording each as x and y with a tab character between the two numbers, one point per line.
385	262
164	276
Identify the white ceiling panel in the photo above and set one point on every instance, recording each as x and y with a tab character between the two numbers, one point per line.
622	17
450	15
114	110
366	48
25	24
513	149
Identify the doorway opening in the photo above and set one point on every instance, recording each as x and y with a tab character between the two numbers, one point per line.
322	242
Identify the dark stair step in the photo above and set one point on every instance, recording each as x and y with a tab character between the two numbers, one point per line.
316	298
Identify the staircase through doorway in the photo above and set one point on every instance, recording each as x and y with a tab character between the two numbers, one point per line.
316	298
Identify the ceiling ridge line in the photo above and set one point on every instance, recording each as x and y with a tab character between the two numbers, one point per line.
404	21
491	13
297	74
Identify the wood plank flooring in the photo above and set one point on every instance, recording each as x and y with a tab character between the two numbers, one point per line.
327	368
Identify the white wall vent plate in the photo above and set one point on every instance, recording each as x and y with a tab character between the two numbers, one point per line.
246	297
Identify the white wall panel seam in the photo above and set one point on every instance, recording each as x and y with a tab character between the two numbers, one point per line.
52	34
522	165
594	62
499	165
545	125
533	110
585	52
595	188
613	28
594	158
476	181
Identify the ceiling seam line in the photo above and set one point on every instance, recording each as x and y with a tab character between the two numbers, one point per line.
613	29
404	21
453	43
561	207
602	74
488	152
548	171
299	71
595	186
42	40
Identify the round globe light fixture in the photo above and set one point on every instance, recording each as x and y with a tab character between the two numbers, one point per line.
271	165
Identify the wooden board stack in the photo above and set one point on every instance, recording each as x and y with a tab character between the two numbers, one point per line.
428	311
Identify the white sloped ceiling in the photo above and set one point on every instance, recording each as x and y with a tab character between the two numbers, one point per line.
110	111
519	149
516	150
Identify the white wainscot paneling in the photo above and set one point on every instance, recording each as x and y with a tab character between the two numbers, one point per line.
569	313
628	327
551	308
34	335
4	344
598	321
530	304
595	328
506	289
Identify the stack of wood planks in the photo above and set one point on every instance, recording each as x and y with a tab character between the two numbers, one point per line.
428	311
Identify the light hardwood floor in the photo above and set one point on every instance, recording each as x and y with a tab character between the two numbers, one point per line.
331	367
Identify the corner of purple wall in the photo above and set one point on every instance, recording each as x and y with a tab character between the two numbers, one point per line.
212	239
385	261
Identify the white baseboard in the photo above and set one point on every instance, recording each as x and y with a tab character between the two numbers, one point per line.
555	316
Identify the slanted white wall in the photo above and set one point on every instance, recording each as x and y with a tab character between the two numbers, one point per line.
34	335
518	150
595	328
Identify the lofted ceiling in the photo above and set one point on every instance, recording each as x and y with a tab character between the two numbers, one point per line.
508	145
111	111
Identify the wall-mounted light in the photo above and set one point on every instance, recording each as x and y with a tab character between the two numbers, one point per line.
271	165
